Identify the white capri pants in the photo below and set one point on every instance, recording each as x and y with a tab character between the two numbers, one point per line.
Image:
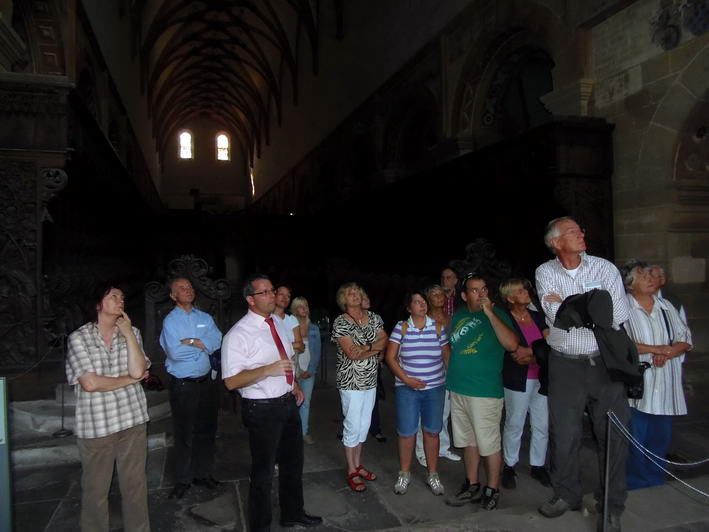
517	404
357	408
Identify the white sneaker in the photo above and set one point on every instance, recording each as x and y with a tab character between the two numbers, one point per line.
435	484
422	459
450	455
402	483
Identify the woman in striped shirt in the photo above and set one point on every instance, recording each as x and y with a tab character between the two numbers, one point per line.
662	339
417	351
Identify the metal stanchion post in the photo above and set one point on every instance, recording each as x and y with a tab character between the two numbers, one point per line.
607	472
63	432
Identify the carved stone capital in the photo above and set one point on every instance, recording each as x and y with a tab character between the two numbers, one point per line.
572	100
53	181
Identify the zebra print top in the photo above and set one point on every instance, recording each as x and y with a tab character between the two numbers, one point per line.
356	374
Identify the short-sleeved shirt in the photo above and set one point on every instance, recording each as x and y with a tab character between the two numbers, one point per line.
475	367
663	393
100	414
249	345
420	352
356	374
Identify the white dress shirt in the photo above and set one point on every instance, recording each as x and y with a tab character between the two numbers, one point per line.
249	345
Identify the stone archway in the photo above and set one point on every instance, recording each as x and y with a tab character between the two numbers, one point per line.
522	26
673	173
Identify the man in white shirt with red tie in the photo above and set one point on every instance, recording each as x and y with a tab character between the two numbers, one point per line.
257	361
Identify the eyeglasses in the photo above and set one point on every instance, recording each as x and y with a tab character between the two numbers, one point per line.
262	292
574	232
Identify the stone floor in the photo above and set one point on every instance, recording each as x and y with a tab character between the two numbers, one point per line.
46	495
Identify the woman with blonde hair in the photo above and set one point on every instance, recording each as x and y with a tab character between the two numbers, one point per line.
520	378
360	339
307	361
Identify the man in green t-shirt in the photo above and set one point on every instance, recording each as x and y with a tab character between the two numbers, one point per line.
480	335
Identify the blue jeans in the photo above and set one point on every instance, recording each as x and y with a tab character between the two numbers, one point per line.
307	386
425	405
654	433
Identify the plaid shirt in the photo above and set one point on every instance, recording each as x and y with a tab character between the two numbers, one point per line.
449	306
593	272
100	414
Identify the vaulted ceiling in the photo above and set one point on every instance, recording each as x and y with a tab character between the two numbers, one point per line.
231	60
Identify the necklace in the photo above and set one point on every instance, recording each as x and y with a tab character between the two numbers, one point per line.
357	321
518	318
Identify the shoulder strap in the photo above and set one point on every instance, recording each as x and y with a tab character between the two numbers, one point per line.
667	326
404	327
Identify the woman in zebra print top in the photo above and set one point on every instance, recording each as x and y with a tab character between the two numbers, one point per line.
360	339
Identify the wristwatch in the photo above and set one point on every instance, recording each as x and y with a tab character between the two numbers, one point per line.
191	341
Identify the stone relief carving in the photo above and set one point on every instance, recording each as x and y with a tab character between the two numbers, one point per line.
481	257
211	296
20	239
673	15
18	245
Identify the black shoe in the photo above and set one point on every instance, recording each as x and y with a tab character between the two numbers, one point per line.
557	506
539	473
490	498
380	437
207	482
468	493
508	478
302	520
179	490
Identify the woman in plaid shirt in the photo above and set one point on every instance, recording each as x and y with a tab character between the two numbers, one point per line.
105	364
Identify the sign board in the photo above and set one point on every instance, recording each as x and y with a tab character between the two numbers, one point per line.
5	504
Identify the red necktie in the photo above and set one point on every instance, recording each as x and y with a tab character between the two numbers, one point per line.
279	345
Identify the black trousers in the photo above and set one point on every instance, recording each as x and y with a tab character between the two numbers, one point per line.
576	385
275	436
194	424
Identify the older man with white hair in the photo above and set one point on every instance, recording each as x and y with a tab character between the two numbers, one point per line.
578	378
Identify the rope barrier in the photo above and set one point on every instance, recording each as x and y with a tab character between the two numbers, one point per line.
61	337
653	457
629	435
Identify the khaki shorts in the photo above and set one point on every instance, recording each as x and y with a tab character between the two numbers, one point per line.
476	422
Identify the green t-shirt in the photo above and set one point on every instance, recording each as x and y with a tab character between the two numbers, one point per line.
475	367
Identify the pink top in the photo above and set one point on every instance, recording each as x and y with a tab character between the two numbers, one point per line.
531	333
249	345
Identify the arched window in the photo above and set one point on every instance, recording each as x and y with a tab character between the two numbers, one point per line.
223	153
186	145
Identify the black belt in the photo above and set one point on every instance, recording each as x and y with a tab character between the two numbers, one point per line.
274	400
585	356
194	379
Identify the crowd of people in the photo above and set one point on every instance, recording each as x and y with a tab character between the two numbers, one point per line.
457	358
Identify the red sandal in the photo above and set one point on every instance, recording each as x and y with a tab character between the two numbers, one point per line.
365	474
355	486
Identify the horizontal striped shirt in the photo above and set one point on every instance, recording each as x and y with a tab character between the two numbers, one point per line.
593	272
663	393
420	352
100	414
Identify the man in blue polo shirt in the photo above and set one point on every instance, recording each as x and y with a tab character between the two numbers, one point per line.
188	337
